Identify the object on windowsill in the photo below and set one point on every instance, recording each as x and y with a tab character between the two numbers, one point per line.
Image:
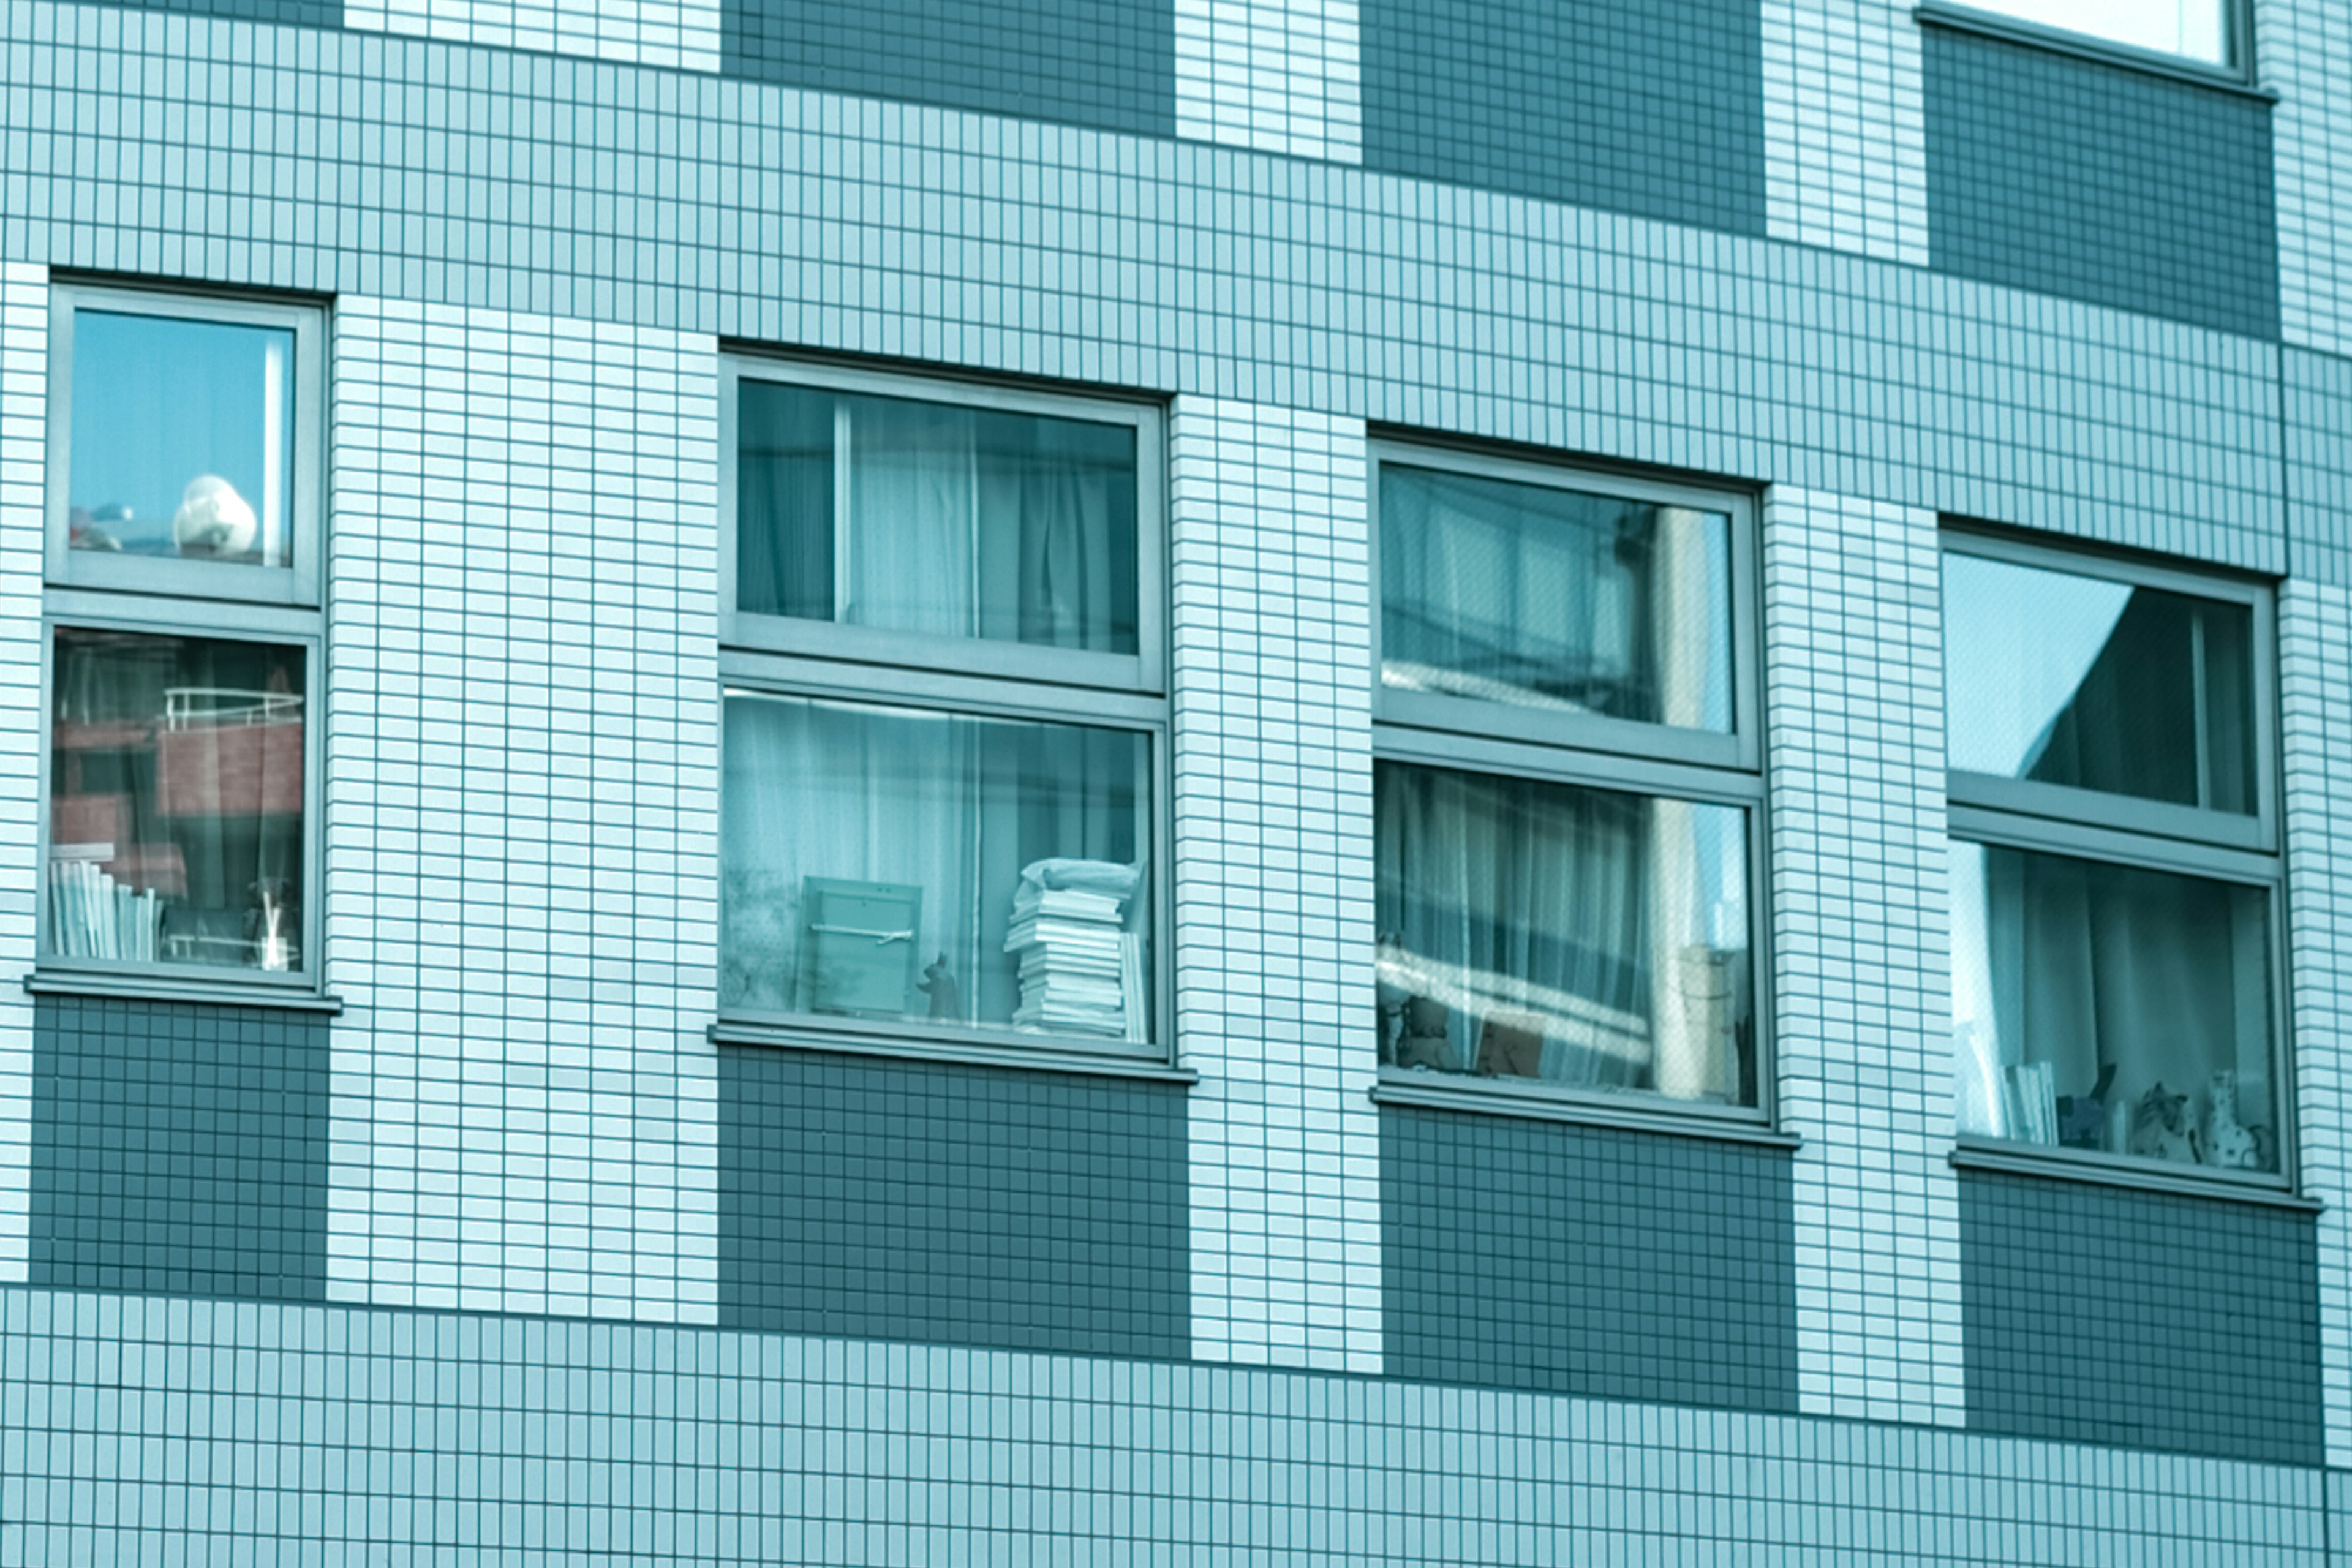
270	925
2082	1118
214	521
1081	970
940	985
2160	1126
91	915
2229	1143
2034	1102
87	530
1510	1045
858	947
1424	1040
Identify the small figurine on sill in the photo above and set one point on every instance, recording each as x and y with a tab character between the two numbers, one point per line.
2082	1118
940	985
2160	1128
2229	1143
1426	1043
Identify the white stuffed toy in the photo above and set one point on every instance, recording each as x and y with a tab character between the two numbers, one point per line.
213	518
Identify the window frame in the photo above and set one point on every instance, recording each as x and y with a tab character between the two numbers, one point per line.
2237	24
2094	825
2257	831
1624	756
1632	739
297	584
976	678
270	627
1143	670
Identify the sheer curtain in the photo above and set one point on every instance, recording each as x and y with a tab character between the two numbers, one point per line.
1522	904
2087	964
934	519
954	807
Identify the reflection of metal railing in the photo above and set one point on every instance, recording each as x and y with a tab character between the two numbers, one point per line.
186	706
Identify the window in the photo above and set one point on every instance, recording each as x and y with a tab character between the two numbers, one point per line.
2114	879
182	639
2204	31
943	715
1567	784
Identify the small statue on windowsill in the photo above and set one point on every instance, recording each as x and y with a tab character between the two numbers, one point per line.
2082	1118
2229	1143
940	985
2160	1127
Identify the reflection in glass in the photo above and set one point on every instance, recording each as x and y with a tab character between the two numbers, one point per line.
175	801
2111	1008
183	438
1574	936
1555	599
931	517
899	863
2198	30
2081	681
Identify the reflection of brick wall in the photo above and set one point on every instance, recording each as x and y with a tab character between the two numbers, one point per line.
229	770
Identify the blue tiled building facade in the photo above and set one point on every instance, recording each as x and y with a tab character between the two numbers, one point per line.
1174	782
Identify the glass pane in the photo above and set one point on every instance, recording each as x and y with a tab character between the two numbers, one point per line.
183	438
931	517
897	863
1555	599
2112	1008
175	801
2197	28
2081	681
1572	936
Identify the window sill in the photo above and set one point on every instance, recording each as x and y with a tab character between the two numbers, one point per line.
1491	1098
152	988
2107	1170
945	1046
2009	29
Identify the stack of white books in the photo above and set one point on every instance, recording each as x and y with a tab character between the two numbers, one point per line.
1081	969
91	915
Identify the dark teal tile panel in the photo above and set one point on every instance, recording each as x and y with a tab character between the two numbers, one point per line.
1649	107
871	1198
1569	1259
179	1149
1111	64
2069	175
2097	1314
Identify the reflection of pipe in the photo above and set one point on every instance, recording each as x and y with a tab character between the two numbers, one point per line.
273	447
1687	1027
1566	1017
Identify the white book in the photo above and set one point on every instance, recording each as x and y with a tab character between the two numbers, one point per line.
1066	902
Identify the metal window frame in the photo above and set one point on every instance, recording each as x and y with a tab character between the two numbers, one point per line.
295	585
2236	74
2065	803
1593	752
2094	826
1143	670
975	678
215	620
1742	748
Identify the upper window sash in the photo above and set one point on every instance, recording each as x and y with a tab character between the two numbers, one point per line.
2113	584
1141	670
1408	696
2194	37
196	534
